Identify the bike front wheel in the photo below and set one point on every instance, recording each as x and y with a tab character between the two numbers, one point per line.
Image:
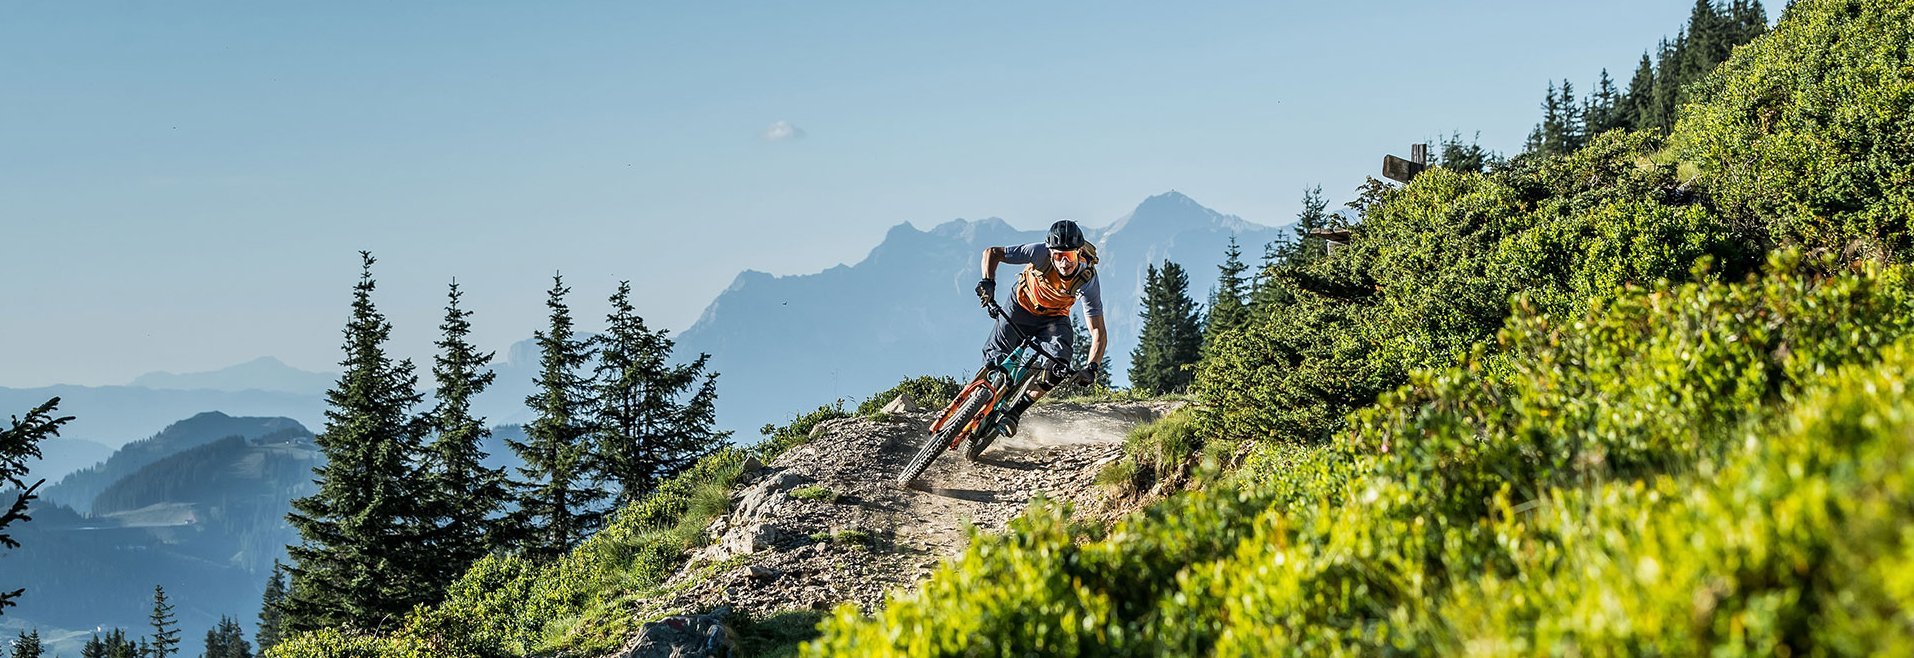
946	434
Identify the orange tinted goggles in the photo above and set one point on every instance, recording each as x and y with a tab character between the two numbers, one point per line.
1071	257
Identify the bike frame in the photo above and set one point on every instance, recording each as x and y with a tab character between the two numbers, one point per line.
1010	376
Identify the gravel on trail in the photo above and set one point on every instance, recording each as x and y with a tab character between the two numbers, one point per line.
825	522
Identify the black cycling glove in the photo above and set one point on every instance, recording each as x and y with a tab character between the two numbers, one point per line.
987	289
1088	375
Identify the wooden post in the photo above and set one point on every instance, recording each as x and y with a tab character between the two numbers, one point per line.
1400	170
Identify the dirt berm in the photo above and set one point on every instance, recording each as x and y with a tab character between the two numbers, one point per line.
825	522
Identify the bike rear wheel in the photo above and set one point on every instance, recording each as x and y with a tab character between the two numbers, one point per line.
938	441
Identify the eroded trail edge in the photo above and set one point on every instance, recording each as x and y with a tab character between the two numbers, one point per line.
824	523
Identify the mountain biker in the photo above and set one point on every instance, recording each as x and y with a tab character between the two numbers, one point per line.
1056	273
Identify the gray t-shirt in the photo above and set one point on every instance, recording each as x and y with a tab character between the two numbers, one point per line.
1037	254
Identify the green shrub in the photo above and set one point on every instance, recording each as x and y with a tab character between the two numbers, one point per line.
777	634
1493	506
815	492
795	433
1805	132
926	391
1431	275
588	601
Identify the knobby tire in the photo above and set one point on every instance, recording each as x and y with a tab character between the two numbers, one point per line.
936	443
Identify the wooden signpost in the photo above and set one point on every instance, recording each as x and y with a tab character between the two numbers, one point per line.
1400	170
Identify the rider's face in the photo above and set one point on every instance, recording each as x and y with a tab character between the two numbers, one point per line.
1066	262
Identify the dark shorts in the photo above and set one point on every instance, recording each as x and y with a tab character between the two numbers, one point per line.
1053	333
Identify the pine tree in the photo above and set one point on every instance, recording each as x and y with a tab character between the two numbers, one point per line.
117	646
94	648
1574	126
227	640
165	626
1638	101
557	506
1456	155
272	609
28	645
1710	39
647	429
1171	338
1668	82
1265	293
1227	310
1604	111
1546	136
1562	129
360	561
19	444
1750	20
468	496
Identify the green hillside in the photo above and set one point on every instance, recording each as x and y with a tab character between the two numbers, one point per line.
1645	396
1568	407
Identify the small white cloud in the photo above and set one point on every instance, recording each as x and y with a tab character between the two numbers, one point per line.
783	131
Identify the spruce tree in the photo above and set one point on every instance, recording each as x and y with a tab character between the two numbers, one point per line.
272	609
20	443
1638	101
1227	310
1668	82
1710	39
361	560
1456	155
1265	293
557	504
468	497
1604	111
227	640
650	422
28	645
117	646
94	648
1171	338
1574	129
165	626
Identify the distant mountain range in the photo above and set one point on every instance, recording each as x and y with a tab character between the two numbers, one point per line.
262	374
114	415
782	344
198	508
786	344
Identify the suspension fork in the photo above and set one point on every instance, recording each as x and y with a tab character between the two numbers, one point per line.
981	380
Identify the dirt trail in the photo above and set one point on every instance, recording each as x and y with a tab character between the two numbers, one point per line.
865	536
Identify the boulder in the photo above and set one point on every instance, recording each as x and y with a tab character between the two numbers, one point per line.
902	404
687	636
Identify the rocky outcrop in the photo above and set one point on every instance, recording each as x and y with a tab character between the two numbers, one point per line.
825	523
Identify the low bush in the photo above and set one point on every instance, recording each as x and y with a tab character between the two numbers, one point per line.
779	438
588	601
1498	506
926	391
815	492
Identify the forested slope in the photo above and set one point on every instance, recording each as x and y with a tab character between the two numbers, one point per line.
1649	396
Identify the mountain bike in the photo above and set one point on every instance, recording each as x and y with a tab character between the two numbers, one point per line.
972	418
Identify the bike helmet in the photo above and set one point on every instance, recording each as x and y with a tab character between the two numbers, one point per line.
1064	236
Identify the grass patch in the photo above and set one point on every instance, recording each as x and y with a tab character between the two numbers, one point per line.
777	635
779	438
815	492
927	391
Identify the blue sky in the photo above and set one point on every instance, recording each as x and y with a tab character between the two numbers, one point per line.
185	185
